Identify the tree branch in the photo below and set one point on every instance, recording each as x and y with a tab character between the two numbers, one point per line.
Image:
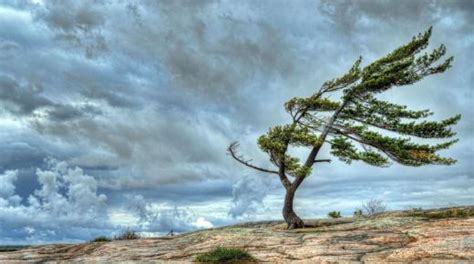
363	143
314	151
232	150
323	160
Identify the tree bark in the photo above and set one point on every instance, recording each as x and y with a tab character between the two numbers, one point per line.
292	220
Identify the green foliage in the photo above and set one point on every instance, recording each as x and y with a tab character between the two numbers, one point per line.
278	137
388	116
347	79
225	255
366	106
127	235
101	239
400	67
359	111
342	147
276	142
405	152
335	214
313	103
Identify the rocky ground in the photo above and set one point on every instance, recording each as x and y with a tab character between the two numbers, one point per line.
434	236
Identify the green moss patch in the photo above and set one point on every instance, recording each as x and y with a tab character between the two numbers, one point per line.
225	255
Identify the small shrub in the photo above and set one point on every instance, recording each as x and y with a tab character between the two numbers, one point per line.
358	213
334	214
373	206
127	235
101	239
222	254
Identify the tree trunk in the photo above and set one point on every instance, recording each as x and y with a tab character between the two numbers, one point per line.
292	220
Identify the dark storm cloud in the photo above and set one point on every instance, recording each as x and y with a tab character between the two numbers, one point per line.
146	96
195	47
76	23
355	18
22	100
182	194
71	16
16	155
7	49
396	11
194	61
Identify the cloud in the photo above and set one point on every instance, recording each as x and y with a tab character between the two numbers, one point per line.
248	194
8	49
27	100
145	96
7	188
162	218
22	100
66	206
75	23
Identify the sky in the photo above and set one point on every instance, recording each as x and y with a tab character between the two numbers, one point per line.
117	114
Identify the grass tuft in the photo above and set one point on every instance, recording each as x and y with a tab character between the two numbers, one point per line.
225	255
101	239
127	235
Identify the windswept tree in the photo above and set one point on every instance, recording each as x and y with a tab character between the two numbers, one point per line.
359	126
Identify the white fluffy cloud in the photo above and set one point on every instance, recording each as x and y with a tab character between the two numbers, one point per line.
7	188
66	206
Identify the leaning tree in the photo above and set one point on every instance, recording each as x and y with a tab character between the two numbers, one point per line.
359	126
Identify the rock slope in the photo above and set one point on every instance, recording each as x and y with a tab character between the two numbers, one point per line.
433	236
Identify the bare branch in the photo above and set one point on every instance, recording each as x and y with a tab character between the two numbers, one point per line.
373	206
232	150
323	160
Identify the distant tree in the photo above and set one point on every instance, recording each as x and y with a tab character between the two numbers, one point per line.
358	117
